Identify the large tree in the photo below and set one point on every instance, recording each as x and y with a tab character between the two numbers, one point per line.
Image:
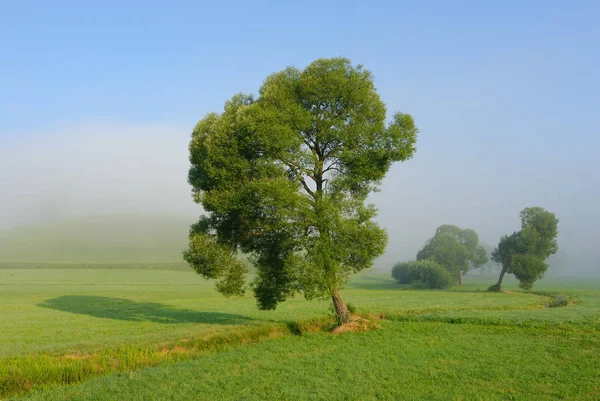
524	252
284	178
455	249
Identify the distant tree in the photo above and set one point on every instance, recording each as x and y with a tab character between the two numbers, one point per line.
480	257
490	266
429	274
285	178
455	249
422	274
523	253
446	250
400	272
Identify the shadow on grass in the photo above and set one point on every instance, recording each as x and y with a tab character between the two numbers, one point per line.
126	309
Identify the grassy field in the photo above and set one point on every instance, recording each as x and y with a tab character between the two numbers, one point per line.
166	334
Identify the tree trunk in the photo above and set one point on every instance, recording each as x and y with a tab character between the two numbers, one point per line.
498	286
340	307
459	279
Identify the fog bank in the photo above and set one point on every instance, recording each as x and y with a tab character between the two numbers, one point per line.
106	168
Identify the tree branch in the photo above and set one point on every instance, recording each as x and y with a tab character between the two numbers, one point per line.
306	188
295	167
332	167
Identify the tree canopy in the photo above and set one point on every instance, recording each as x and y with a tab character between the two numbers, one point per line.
524	252
284	178
422	274
455	249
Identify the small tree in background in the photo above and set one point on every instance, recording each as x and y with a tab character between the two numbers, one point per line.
285	178
422	274
429	274
524	253
454	249
400	272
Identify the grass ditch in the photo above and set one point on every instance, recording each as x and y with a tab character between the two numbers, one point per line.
557	300
550	300
19	375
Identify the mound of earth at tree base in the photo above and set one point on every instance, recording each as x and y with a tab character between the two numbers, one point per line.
355	325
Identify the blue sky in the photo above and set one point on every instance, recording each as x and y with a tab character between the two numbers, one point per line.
506	94
174	61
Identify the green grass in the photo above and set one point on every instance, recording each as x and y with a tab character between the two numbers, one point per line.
61	326
84	310
410	361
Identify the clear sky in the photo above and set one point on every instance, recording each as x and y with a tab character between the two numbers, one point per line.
97	100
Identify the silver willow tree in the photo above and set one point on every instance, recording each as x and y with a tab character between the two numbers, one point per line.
284	178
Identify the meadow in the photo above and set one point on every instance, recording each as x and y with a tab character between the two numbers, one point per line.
91	333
